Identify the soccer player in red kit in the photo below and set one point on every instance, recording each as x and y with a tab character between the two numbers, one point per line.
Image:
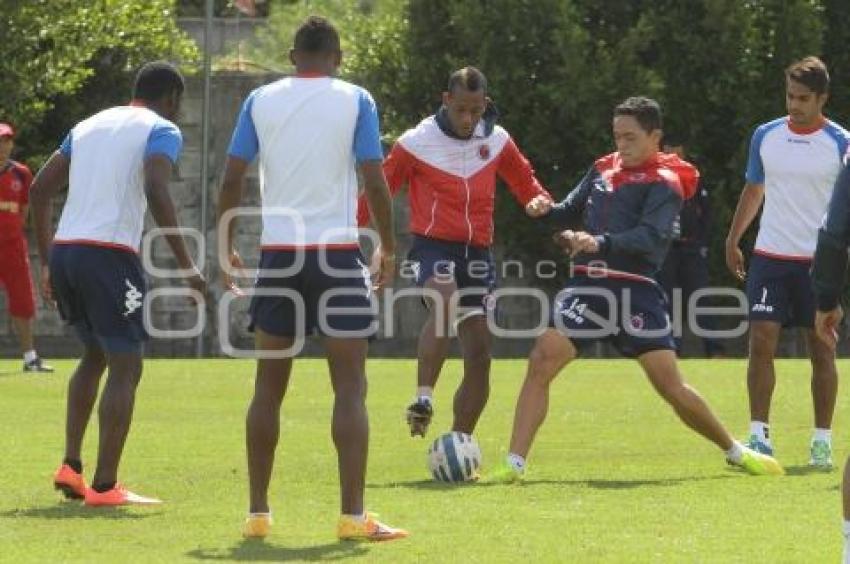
15	280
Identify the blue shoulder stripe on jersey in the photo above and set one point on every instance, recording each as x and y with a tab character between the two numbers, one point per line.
244	144
841	137
367	134
755	167
65	147
164	139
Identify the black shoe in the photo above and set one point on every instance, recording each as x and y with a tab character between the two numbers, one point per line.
419	416
37	366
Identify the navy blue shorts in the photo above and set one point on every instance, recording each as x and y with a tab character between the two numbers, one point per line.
630	315
781	291
471	268
100	292
333	303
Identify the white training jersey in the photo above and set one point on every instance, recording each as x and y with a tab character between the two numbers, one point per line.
309	132
798	169
106	201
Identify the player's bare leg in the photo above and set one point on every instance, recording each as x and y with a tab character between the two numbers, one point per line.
350	427
434	342
824	392
552	352
471	396
262	424
845	501
115	412
663	372
761	377
824	380
82	394
23	328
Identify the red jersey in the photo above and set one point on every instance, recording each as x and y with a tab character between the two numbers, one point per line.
15	180
452	182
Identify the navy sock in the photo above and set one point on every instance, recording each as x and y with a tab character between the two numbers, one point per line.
76	465
100	488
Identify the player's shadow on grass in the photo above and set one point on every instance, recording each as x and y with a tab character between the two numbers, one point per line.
261	551
805	470
598	484
72	510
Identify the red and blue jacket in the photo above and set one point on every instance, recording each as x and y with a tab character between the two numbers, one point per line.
452	181
630	210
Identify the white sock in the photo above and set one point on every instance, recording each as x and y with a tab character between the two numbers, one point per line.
760	430
360	518
822	435
516	462
424	394
30	356
846	559
735	453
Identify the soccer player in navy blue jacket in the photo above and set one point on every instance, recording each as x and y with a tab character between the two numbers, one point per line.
617	225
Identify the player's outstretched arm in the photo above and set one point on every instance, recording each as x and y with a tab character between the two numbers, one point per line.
568	213
516	170
157	170
52	177
380	203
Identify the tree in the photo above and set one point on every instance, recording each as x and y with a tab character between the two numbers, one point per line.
62	47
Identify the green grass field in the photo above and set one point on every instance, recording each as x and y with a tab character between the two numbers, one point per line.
614	476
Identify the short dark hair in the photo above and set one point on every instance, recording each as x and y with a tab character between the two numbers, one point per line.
156	80
810	72
469	78
645	110
317	35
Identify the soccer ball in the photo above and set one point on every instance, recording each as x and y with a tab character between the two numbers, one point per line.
454	457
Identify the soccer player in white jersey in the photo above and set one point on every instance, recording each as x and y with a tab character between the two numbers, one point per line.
311	132
792	167
116	163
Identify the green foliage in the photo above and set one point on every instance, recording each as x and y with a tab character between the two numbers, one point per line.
556	68
62	48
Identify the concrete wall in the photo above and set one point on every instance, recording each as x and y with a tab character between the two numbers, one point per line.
229	89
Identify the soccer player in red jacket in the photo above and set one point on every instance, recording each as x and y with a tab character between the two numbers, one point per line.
450	162
15	180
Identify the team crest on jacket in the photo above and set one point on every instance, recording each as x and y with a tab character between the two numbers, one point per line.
484	152
16	186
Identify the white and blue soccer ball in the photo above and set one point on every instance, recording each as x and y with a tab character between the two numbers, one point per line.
454	457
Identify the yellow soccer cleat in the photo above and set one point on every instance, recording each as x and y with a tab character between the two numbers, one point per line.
759	464
370	529
257	525
503	474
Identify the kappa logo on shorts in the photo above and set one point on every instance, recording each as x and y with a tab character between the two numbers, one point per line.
762	307
132	302
574	311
